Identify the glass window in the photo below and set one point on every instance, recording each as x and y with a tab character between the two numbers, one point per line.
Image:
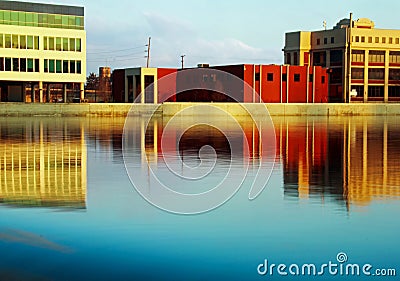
383	40
15	44
51	66
71	21
78	67
7	17
14	18
65	44
1	64
1	16
51	20
72	66
363	39
376	56
357	38
72	44
46	65
65	66
65	21
58	44
7	40
45	42
1	41
376	73
29	19
370	39
270	77
357	73
397	41
22	42
37	66
35	19
30	42
30	65
36	42
390	40
22	64
297	78
376	39
58	66
78	45
15	66
45	20
79	21
58	21
51	43
357	56
8	64
22	18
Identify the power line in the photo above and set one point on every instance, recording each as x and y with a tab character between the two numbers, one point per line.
116	51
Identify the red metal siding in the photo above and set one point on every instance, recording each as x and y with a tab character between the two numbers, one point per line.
271	90
166	84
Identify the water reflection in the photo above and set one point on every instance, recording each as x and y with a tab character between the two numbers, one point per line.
42	163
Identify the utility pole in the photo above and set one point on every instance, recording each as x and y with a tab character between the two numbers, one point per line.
183	60
148	52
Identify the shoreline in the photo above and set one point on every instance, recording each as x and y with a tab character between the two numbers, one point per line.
170	109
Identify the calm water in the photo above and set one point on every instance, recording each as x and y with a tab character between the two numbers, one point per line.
68	210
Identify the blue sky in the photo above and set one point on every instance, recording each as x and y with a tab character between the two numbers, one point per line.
210	31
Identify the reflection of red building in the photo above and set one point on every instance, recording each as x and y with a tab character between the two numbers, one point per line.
231	83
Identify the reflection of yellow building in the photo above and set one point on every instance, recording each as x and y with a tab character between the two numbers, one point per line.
43	172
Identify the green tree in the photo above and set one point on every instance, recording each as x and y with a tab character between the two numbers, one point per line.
92	81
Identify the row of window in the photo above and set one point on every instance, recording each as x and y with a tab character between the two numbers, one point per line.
32	65
41	20
62	44
19	41
19	64
375	74
378	91
375	56
296	77
370	39
332	40
62	66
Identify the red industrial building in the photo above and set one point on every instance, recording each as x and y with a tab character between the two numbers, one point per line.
254	84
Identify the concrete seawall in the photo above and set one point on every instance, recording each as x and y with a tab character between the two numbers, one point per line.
170	109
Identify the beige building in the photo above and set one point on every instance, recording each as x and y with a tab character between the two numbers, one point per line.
363	61
41	45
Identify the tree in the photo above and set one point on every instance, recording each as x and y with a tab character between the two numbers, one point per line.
92	81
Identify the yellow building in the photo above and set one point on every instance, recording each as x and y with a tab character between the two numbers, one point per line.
41	45
363	61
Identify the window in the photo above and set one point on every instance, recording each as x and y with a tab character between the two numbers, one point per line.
1	41
376	39
311	78
30	42
357	56
22	41
357	73
357	38
376	91
36	42
15	64
394	57
22	64
376	56
318	41
325	41
394	91
370	39
397	41
394	74
1	64
284	77
72	66
288	58
15	44
58	66
58	44
51	66
30	65
65	66
8	64
332	40
51	43
37	66
376	73
270	77
257	76
336	57
7	40
383	40
78	67
390	40
57	21
46	66
323	79
363	39
45	43
78	44
297	77
65	44
72	44
295	59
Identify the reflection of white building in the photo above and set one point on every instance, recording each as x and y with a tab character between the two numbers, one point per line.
40	45
38	171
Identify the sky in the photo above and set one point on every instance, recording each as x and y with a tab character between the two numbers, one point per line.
210	31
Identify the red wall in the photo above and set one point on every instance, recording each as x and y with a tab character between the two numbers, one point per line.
118	85
166	84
